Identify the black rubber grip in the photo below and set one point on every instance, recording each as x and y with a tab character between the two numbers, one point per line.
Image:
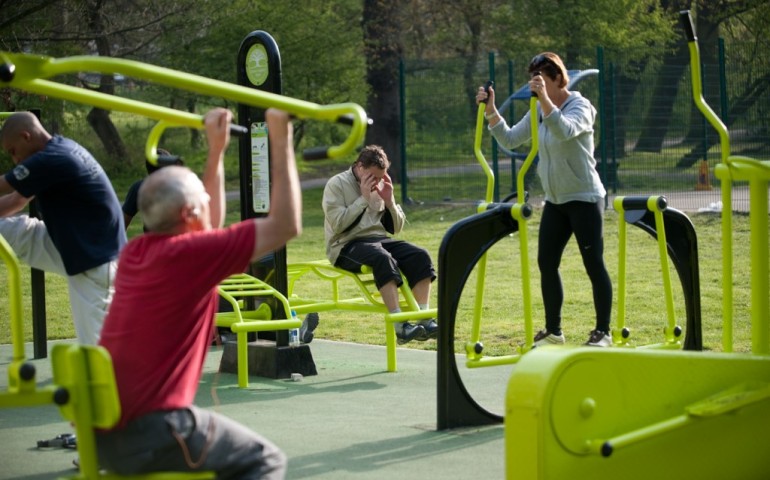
166	160
347	119
689	28
490	83
316	153
640	203
7	71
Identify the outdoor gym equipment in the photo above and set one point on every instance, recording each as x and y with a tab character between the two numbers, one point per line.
676	238
83	385
465	244
22	389
32	72
591	413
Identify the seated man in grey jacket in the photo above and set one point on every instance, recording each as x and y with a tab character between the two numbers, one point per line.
360	215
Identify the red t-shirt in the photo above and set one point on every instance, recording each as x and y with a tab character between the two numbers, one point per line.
160	323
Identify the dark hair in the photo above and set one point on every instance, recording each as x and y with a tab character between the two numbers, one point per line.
550	65
373	156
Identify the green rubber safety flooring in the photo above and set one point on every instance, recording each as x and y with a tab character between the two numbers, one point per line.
354	420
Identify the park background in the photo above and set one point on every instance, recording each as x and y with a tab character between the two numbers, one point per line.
415	66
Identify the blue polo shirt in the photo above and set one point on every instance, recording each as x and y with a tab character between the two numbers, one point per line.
77	202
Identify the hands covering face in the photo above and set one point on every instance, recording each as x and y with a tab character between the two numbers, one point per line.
370	182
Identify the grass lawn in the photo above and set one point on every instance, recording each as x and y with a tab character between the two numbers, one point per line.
502	321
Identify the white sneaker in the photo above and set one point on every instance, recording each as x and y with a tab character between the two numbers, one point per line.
543	337
599	339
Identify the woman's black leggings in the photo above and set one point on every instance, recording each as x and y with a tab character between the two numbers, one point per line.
559	222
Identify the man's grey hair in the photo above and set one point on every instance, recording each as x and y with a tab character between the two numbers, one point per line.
165	193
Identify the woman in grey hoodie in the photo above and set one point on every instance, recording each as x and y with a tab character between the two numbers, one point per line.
574	195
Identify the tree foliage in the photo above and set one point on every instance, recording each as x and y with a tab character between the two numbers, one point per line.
347	50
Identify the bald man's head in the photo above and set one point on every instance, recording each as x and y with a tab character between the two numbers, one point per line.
173	200
23	135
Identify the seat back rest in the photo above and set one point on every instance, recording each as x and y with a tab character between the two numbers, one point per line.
88	367
85	371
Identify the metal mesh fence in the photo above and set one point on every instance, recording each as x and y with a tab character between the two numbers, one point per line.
650	139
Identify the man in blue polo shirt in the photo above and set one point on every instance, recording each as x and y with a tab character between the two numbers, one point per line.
82	230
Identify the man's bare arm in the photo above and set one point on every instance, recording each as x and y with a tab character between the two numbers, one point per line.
217	123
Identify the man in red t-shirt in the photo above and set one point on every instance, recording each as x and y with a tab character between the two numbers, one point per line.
168	278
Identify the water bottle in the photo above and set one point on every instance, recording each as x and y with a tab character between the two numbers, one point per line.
294	332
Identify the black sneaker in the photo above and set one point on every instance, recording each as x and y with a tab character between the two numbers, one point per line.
408	332
431	330
309	324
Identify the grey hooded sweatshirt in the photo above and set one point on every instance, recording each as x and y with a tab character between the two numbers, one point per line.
566	167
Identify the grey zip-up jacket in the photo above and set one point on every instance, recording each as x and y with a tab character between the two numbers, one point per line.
566	167
347	215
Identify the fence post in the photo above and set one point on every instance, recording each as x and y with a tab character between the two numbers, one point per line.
495	166
510	122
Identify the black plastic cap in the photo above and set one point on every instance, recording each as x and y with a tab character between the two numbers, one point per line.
61	396
687	25
7	72
606	449
27	371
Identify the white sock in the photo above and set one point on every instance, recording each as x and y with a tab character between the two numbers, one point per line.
397	325
424	306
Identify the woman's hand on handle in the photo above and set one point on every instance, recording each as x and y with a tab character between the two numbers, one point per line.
487	96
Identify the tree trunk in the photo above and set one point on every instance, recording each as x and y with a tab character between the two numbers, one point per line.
100	121
656	121
624	89
98	118
382	48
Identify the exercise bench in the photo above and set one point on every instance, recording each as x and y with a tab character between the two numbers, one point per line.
366	300
237	290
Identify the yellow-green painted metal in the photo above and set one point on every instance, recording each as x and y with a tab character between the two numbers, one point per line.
637	414
757	173
518	213
367	299
14	300
647	413
671	339
474	355
86	372
153	139
235	290
32	74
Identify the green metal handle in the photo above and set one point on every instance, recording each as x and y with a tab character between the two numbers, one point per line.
31	73
533	147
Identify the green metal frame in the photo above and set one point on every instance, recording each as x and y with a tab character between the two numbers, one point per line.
31	73
520	212
739	168
368	299
592	413
671	331
22	389
242	321
85	373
